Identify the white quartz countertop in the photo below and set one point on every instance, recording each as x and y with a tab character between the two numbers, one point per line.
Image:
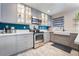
62	32
77	40
16	33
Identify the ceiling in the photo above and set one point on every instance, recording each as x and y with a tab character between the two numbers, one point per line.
53	8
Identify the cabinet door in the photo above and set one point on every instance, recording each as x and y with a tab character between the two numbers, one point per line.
61	39
3	50
21	43
7	45
8	12
29	41
72	38
46	37
51	36
10	44
24	42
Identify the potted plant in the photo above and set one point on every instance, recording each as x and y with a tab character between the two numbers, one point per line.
77	17
77	20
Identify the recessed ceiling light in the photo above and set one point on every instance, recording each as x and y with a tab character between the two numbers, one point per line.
48	11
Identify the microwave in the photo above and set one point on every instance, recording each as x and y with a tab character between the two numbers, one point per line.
35	21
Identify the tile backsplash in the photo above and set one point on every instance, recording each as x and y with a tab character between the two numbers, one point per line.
43	27
16	26
21	27
40	27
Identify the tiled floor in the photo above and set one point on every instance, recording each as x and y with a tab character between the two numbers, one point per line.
48	50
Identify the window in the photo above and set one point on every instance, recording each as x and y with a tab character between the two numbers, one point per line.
58	22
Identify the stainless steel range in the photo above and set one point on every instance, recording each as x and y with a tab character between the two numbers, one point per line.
38	39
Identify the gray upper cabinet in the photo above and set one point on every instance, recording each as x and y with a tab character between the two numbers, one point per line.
9	12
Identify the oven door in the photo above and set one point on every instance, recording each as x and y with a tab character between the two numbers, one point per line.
38	40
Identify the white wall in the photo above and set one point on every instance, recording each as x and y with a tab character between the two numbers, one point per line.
68	20
0	11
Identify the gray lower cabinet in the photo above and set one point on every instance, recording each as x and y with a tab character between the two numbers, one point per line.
2	46
51	36
24	42
7	45
62	39
72	38
12	44
29	41
46	37
67	40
